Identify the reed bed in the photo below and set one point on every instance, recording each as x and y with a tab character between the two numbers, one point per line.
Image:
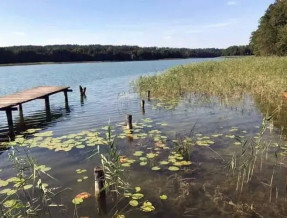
261	77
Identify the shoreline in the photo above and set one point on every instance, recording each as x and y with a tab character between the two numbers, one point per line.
79	62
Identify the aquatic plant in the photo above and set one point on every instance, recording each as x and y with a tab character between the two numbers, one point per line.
29	196
262	78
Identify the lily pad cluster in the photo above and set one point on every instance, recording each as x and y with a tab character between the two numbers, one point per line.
81	171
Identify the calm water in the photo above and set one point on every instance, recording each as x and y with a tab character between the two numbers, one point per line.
202	190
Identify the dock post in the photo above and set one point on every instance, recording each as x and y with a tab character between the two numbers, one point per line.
47	103
66	100
48	110
10	122
21	114
129	122
148	95
83	90
142	106
100	192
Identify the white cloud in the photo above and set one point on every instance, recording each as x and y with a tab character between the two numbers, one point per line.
232	3
18	33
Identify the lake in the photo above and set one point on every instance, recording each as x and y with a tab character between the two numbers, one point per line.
205	188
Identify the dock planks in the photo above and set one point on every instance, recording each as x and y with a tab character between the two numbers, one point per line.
9	102
29	95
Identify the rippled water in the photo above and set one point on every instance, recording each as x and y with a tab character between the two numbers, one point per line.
109	99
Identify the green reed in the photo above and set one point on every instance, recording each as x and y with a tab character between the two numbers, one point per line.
263	78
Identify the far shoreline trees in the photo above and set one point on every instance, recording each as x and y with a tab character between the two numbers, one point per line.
81	53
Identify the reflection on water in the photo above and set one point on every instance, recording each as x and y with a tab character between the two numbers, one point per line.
253	185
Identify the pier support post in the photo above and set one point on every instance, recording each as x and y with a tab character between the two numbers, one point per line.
21	115
148	95
129	122
47	103
100	192
10	122
66	100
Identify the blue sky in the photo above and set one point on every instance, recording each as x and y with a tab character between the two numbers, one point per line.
164	23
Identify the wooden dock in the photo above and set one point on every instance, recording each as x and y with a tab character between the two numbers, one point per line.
12	102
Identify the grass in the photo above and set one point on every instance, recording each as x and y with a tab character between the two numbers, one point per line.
263	78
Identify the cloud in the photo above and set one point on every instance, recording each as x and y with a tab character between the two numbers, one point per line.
230	3
18	33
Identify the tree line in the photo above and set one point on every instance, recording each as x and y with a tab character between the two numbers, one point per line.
73	53
271	36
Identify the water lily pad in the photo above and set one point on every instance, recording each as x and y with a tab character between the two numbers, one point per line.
138	189
155	168
150	155
126	164
127	194
3	183
147	207
134	203
80	146
137	196
83	195
26	187
163	197
79	180
163	162
11	203
138	153
143	163
85	177
173	168
143	158
77	201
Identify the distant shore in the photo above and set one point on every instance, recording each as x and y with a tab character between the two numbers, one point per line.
79	62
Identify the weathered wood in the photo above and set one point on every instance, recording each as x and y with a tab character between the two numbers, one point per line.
143	106
47	103
29	95
10	121
148	95
100	192
129	121
66	99
83	90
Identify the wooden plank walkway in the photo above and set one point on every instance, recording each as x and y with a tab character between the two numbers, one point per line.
29	95
9	102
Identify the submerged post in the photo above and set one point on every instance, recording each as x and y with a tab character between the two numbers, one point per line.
83	90
129	122
21	115
142	106
10	122
148	95
47	103
100	192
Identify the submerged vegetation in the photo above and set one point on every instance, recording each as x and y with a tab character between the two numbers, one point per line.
262	78
169	160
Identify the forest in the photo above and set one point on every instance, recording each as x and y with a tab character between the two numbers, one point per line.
73	53
77	53
271	36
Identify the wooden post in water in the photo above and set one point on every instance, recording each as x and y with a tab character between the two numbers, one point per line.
47	103
83	90
10	122
148	95
129	122
142	106
21	114
100	192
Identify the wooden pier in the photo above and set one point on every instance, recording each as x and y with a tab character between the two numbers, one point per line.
12	102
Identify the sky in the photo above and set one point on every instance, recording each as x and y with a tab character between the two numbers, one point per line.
162	23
